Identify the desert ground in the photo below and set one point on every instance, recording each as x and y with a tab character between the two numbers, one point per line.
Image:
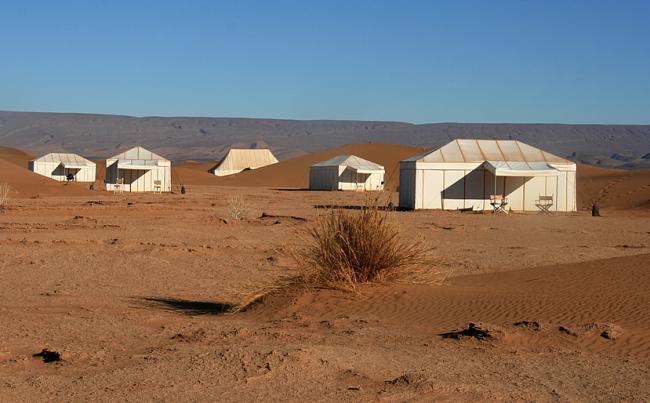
139	293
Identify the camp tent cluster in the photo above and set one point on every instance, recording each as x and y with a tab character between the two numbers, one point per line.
64	167
464	173
134	170
346	172
238	160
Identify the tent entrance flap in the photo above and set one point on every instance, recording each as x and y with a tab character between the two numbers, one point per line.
528	169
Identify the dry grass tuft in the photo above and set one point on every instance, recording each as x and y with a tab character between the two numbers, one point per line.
4	196
347	248
237	208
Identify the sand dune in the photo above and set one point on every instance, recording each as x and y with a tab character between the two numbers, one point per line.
15	156
587	295
294	172
24	183
613	188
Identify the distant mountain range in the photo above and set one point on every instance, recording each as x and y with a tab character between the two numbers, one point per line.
183	138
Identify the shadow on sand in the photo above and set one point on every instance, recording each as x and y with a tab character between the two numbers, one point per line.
185	306
358	207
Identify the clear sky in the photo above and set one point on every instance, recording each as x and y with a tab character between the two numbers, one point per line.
418	61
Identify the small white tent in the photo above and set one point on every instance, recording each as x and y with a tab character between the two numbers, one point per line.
464	173
239	159
140	170
346	172
64	167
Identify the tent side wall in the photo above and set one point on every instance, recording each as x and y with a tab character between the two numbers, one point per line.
324	178
408	189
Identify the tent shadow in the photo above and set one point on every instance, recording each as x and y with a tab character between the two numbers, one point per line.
185	306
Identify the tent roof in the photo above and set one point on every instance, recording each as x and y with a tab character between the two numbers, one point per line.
137	153
240	159
352	161
471	150
65	159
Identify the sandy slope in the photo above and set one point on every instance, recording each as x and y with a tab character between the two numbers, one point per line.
294	172
24	183
132	290
613	188
15	156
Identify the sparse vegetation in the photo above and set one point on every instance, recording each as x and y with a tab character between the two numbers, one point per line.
347	248
237	208
4	196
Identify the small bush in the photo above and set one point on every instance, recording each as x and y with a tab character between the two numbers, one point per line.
4	196
237	208
347	248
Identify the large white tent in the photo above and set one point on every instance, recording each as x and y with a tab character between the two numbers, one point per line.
464	173
239	159
346	172
140	170
64	166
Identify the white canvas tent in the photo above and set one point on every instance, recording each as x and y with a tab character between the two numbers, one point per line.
346	172
464	173
59	166
239	159
140	169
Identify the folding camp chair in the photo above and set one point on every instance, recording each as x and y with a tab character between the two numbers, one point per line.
157	186
498	203
544	204
118	187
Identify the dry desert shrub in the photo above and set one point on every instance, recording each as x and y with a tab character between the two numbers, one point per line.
237	208
4	196
347	248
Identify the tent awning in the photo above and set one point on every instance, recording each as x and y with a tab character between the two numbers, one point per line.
140	165
511	168
75	165
367	170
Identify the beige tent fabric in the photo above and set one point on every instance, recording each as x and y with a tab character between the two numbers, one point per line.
140	170
59	166
238	160
472	150
465	173
346	172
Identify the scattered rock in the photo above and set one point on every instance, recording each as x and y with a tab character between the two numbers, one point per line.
531	325
193	336
477	331
48	356
566	330
406	380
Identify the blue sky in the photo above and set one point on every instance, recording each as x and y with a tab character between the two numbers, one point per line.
416	61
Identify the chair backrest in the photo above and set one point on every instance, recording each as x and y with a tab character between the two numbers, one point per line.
496	197
546	198
120	181
157	182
